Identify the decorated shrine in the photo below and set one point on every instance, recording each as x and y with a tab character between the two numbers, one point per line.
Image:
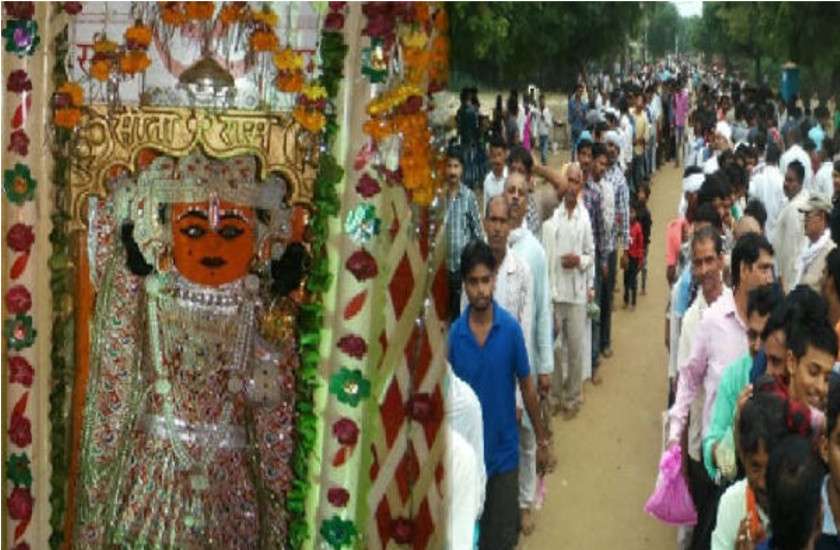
222	274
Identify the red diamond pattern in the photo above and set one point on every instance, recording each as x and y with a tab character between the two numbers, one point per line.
440	292
401	285
432	425
392	411
424	526
407	472
418	362
383	521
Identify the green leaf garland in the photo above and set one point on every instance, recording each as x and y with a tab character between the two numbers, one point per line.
61	285
326	205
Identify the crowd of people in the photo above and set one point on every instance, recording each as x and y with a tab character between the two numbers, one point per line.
753	316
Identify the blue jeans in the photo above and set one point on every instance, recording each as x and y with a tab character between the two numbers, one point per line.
544	149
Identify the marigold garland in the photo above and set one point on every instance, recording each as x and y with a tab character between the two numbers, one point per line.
134	61
138	36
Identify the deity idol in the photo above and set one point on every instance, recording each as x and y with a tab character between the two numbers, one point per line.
188	423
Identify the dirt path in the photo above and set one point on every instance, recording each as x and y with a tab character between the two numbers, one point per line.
608	455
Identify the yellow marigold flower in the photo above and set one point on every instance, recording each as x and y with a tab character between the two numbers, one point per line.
266	16
288	60
314	92
104	46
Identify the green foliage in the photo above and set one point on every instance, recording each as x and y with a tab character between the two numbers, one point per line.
550	43
774	33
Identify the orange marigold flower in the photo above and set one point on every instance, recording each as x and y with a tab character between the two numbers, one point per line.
421	12
74	91
288	60
199	11
266	17
100	70
135	61
289	81
233	12
312	121
172	13
67	118
441	21
263	41
103	45
378	129
139	34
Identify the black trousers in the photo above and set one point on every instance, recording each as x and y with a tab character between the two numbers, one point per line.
500	521
706	495
631	281
607	286
454	295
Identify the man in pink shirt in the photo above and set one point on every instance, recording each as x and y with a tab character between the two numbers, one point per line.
680	100
720	339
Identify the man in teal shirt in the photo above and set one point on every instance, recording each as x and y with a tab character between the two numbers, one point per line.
765	326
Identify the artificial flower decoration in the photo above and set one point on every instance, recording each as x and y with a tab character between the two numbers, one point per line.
263	41
362	265
367	186
199	11
18	299
233	12
19	10
349	386
361	224
288	59
402	529
21	35
337	496
19	504
138	36
134	61
72	8
338	532
353	345
20	430
19	143
18	82
20	371
312	121
20	237
19	184
20	333
346	431
172	13
290	82
18	471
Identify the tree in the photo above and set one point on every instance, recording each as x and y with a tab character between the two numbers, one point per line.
512	43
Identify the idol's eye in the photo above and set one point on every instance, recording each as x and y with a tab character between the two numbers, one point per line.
194	231
229	232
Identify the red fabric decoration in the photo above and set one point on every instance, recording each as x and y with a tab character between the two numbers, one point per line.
20	504
19	266
362	265
20	371
338	496
19	143
334	22
402	530
18	299
19	10
367	186
18	82
355	305
20	430
346	431
420	407
20	237
72	8
353	345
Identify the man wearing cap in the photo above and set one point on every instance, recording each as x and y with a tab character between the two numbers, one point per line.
722	142
811	261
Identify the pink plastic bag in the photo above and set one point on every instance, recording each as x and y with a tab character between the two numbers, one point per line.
671	502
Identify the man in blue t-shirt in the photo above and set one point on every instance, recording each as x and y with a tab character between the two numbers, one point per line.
487	350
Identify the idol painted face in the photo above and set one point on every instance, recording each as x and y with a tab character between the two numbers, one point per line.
212	245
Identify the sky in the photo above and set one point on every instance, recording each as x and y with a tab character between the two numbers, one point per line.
689	8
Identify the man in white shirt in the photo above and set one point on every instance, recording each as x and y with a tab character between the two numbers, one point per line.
768	187
823	183
722	142
544	126
494	182
790	231
570	249
796	152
